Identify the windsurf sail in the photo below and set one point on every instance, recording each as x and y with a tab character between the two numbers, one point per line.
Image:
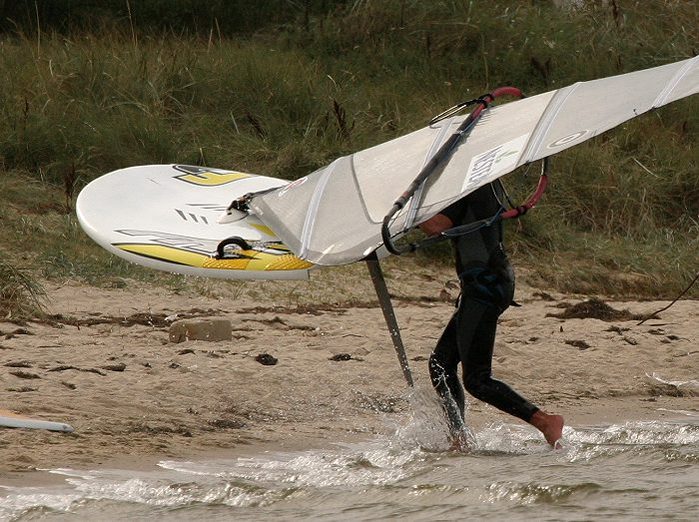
334	216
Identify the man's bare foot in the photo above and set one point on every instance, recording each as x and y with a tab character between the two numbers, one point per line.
550	425
461	441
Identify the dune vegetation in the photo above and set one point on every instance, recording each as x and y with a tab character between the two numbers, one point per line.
281	88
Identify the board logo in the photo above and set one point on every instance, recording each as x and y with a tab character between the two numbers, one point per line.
206	177
176	249
567	140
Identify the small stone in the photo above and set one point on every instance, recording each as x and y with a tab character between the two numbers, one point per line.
120	367
201	330
266	359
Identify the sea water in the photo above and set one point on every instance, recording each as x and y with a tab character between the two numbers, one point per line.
629	471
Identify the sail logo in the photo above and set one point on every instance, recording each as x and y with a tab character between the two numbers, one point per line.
296	183
493	163
568	140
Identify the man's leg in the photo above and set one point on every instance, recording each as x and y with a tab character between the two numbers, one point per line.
476	325
445	379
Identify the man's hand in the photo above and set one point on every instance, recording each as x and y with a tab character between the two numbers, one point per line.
436	225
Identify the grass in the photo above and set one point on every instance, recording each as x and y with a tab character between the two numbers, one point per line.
21	295
621	216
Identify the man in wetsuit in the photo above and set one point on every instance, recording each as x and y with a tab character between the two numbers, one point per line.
487	289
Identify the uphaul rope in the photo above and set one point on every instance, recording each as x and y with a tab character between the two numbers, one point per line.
441	155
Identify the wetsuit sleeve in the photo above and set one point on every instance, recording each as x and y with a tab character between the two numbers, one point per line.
456	211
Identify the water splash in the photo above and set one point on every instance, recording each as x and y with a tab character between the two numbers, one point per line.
627	469
375	463
425	424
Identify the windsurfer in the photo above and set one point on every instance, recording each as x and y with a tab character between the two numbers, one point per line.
487	289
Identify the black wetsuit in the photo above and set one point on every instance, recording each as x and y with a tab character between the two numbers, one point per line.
487	289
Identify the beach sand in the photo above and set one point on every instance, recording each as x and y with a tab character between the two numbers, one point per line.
104	364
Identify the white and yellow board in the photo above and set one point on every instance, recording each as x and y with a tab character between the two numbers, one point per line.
168	217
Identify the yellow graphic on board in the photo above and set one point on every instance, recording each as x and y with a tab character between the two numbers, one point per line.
207	178
266	230
245	260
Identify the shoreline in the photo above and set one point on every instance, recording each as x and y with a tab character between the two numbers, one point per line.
106	366
591	413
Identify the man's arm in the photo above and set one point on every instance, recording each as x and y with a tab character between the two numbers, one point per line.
436	225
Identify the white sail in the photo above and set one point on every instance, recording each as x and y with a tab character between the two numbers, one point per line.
334	215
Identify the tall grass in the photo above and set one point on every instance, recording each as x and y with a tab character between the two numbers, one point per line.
288	98
224	18
20	293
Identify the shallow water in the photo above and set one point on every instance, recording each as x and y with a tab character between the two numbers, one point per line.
632	471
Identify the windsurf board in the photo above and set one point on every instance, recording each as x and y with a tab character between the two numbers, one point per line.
169	217
10	419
